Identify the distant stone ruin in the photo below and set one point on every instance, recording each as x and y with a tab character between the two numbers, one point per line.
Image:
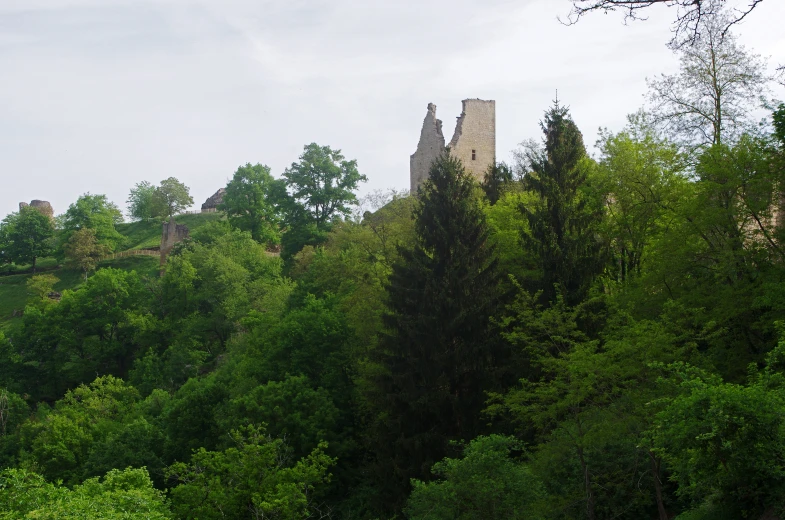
211	204
171	234
41	205
474	141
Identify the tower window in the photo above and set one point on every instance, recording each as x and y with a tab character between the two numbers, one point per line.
474	155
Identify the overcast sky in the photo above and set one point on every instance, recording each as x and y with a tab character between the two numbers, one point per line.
97	95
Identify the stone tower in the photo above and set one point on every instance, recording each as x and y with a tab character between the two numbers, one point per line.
171	233
431	145
474	141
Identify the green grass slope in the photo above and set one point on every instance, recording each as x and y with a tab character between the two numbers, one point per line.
13	289
147	233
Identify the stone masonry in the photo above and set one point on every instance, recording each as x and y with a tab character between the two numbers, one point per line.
212	202
171	234
431	145
474	141
41	205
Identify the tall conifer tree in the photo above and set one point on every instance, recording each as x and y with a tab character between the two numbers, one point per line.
438	355
563	225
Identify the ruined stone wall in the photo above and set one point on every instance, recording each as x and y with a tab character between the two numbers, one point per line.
171	234
431	145
212	202
41	205
474	141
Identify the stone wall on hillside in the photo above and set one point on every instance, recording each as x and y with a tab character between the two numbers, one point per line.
171	234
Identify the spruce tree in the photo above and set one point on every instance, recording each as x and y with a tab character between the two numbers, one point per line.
563	225
438	354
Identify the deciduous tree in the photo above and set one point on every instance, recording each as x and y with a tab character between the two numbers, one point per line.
709	101
84	251
26	236
171	197
94	212
251	202
141	201
323	184
689	13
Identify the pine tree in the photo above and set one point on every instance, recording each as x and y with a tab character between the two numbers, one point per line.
438	355
563	225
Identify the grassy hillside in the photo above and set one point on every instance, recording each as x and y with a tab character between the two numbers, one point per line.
147	233
13	289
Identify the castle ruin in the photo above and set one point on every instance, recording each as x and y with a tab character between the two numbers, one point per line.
41	205
474	141
171	234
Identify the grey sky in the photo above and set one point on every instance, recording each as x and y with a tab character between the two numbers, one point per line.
97	95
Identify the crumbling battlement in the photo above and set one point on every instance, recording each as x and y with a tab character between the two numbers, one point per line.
474	141
431	145
171	234
41	205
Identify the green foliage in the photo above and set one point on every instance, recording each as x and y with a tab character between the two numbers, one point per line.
321	188
646	383
294	411
141	202
563	222
90	331
13	412
778	118
353	266
723	441
93	212
638	176
147	233
62	443
251	200
438	354
120	495
25	237
487	483
323	183
253	477
170	198
84	251
42	286
497	180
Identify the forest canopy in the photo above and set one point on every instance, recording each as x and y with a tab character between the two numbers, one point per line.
571	336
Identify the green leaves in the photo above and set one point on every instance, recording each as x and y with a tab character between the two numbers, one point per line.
253	476
93	212
120	495
723	441
323	183
252	203
486	483
26	236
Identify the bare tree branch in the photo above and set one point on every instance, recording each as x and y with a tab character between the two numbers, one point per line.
710	100
689	13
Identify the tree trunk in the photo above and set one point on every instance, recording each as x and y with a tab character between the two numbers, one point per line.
587	485
34	259
655	469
